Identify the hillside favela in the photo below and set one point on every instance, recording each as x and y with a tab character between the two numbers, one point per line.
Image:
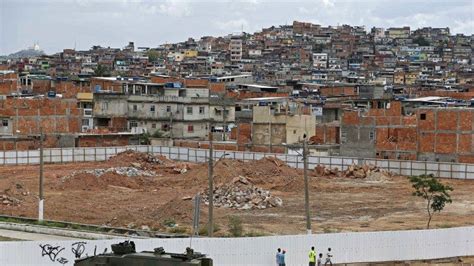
306	133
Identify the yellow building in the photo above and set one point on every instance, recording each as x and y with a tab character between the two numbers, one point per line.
279	127
410	78
190	53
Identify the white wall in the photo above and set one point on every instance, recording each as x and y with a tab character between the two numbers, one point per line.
347	247
438	169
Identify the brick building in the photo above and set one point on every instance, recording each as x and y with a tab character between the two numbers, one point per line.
430	133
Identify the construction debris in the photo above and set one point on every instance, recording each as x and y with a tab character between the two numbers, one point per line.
123	171
243	195
145	161
366	172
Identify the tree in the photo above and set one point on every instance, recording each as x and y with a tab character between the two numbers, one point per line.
421	41
433	191
152	55
101	71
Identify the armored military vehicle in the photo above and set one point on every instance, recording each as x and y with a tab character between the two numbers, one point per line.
124	254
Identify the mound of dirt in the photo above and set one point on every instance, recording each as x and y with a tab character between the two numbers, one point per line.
90	181
176	209
139	159
268	172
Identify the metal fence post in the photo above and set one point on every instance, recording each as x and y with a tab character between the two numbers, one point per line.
451	170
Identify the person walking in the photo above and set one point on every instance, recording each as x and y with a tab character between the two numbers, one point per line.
328	257
277	257
312	257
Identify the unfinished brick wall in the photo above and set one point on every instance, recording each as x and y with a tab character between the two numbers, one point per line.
326	133
41	86
54	115
337	91
239	95
69	89
110	85
445	134
103	140
8	83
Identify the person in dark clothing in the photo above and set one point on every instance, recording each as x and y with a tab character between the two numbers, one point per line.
277	257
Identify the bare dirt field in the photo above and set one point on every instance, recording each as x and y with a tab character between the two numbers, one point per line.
138	190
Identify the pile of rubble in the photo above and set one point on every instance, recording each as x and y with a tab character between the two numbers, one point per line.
9	200
123	171
366	172
243	195
140	160
13	195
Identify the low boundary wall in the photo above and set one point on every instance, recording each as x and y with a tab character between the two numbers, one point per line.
439	169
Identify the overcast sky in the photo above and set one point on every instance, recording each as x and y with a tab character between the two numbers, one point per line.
58	24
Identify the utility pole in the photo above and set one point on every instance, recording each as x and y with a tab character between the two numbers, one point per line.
41	197
210	228
306	189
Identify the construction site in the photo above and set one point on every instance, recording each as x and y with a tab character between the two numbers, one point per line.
146	192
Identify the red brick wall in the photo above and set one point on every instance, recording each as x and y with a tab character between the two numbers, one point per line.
54	115
69	90
326	134
337	91
103	140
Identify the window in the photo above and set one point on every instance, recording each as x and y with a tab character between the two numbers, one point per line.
105	106
201	110
85	122
135	107
371	135
165	127
189	110
190	128
153	125
133	124
422	116
218	112
152	108
5	122
168	109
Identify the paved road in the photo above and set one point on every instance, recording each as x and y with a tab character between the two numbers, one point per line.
31	236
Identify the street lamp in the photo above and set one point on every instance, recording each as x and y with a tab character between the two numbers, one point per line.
306	185
41	196
210	225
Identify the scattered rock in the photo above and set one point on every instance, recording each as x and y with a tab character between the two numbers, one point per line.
124	171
